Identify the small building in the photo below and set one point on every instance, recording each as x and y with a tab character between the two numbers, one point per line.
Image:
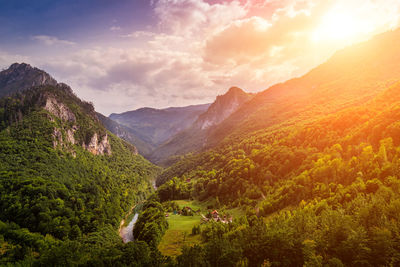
215	214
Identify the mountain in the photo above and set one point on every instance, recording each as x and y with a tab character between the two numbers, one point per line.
159	125
313	163
193	138
19	77
350	77
144	147
65	181
222	108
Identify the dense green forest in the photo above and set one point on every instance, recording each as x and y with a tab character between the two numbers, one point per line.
318	192
62	205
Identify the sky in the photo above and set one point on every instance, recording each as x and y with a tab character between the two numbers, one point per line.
126	54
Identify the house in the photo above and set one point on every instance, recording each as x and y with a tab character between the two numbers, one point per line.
215	214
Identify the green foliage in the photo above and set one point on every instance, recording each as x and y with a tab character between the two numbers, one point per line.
151	224
59	203
327	190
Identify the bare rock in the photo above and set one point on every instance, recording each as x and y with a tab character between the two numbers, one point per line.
97	147
59	109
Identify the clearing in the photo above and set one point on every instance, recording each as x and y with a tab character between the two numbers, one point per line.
179	232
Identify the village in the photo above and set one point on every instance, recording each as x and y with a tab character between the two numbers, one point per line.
210	216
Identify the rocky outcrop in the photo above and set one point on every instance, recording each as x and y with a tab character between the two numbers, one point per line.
97	147
35	88
222	108
59	110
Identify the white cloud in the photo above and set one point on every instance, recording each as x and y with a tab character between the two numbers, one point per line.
193	17
51	40
139	34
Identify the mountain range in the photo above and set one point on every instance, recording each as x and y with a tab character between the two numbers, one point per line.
162	134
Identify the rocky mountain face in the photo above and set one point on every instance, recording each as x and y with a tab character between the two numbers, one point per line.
74	121
222	107
144	147
19	77
159	125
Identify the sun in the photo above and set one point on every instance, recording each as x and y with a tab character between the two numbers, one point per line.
339	25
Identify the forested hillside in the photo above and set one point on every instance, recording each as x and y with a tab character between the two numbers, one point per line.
65	181
320	185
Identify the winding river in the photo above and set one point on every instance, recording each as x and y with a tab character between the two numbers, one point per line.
125	232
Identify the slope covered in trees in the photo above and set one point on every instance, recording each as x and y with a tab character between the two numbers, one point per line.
65	181
319	181
323	192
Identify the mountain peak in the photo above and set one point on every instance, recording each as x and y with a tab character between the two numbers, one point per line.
20	66
21	76
223	107
235	90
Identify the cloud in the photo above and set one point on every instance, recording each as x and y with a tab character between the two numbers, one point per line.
197	49
115	28
191	17
139	34
51	40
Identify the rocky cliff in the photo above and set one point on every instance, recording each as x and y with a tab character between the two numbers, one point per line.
222	107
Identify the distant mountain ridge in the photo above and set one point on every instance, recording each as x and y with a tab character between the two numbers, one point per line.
158	125
142	144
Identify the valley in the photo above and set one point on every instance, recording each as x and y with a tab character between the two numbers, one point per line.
304	173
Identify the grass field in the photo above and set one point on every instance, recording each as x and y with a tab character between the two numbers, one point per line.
179	232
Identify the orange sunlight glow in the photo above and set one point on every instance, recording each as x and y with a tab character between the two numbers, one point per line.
341	26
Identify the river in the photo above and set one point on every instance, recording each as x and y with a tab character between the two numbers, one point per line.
126	232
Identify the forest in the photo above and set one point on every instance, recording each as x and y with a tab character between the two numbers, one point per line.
316	193
61	205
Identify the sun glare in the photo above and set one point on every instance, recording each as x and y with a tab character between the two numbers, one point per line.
338	25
